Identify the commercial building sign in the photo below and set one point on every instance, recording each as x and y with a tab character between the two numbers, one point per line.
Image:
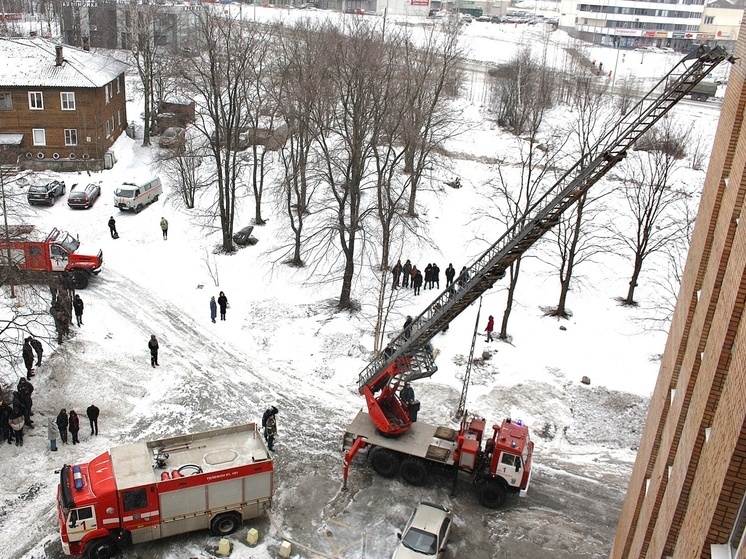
420	2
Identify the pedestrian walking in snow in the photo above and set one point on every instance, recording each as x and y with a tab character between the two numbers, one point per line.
450	274
463	277
38	348
223	304
271	429
213	309
270	411
490	328
62	423
406	272
28	357
435	277
113	228
429	276
413	273
164	228
24	390
74	426
417	282
396	271
6	433
78	306
92	412
153	346
52	434
16	422
407	329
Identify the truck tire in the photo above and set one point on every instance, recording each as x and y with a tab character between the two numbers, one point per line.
491	494
225	524
414	471
80	279
138	208
103	548
385	462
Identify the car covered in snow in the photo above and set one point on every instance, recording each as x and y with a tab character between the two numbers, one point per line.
426	533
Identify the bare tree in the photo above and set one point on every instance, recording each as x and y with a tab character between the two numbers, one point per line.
651	195
219	80
185	163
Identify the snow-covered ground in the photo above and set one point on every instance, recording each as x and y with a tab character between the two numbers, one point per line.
284	343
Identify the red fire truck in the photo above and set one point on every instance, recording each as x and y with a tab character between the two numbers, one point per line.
150	490
34	259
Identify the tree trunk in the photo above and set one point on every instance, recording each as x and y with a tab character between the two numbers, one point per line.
630	299
515	269
571	254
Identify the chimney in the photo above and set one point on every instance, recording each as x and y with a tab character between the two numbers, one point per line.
58	58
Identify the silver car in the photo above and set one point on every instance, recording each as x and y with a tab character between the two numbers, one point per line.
426	533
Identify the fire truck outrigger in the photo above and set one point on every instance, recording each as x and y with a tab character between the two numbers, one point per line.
150	490
500	464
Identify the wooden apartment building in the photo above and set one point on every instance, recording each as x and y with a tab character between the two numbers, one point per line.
61	108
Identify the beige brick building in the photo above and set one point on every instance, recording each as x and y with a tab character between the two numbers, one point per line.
687	494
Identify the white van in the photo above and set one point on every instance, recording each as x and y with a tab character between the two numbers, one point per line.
135	196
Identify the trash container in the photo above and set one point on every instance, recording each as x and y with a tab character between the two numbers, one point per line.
130	130
412	410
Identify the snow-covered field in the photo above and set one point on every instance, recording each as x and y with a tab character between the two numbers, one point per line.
284	343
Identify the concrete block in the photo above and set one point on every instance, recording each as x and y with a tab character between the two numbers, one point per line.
224	547
252	537
285	549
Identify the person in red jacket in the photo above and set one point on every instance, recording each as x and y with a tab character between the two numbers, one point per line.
490	328
74	426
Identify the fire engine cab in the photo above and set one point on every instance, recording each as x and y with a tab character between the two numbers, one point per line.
150	490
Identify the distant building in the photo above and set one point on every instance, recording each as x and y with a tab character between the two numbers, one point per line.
687	493
721	20
60	107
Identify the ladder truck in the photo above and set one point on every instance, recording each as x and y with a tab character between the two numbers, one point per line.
499	464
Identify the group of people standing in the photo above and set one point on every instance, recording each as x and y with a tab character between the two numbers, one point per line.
15	416
407	274
222	302
71	422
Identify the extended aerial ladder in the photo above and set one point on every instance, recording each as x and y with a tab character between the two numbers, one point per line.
409	355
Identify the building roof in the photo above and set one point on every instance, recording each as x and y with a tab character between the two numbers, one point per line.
32	62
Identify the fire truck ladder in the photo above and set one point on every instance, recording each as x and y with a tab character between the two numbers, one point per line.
409	356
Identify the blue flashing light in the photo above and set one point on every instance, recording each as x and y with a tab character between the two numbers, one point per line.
77	478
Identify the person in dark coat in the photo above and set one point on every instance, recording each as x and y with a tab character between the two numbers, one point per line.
92	412
38	348
396	271
16	422
406	271
271	429
407	329
463	277
490	328
153	346
450	274
223	304
74	426
435	277
25	390
28	357
78	306
113	228
417	282
429	276
413	273
213	309
6	433
269	412
62	423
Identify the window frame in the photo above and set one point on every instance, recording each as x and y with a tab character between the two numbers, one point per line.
43	131
72	134
70	96
6	95
32	98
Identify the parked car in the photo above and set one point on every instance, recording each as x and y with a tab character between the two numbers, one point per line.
46	194
426	533
309	6
85	197
484	18
136	195
496	19
172	138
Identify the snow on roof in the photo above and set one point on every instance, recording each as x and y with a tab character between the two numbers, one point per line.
32	62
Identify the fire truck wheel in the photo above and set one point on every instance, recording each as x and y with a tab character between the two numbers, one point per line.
80	280
225	524
385	462
101	549
491	494
414	471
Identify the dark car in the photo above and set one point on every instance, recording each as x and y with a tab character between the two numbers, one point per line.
46	194
85	197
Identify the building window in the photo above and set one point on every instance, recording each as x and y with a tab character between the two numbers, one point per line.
119	117
108	90
107	128
709	20
6	102
67	100
71	137
35	100
40	136
119	86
